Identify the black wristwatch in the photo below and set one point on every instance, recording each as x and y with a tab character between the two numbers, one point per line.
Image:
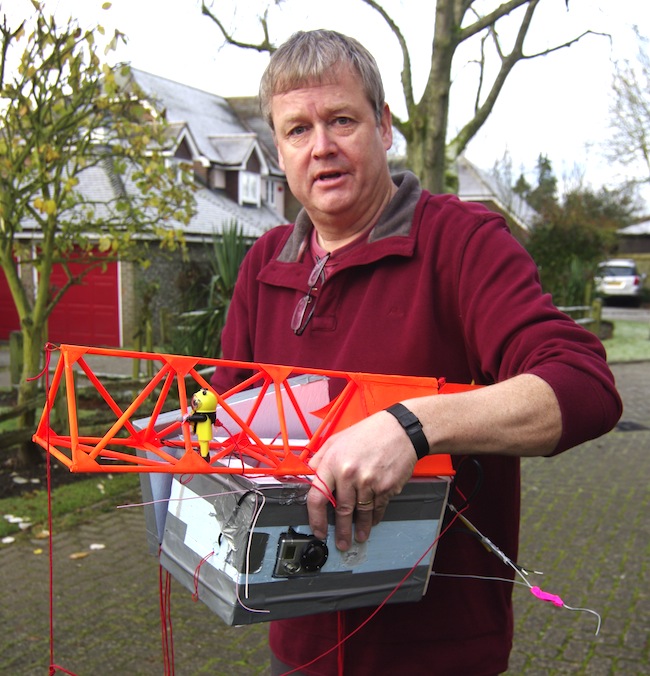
413	428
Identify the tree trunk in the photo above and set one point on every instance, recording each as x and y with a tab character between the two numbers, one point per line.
426	147
29	454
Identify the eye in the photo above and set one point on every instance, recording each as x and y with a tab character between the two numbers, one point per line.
298	130
342	121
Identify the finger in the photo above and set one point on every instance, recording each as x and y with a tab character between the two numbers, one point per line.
314	461
363	519
379	510
318	498
345	509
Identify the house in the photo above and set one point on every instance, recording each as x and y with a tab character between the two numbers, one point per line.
237	179
237	176
634	239
248	110
634	242
476	185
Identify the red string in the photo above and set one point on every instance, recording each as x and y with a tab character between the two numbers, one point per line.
48	465
49	348
53	668
325	490
195	595
341	635
164	583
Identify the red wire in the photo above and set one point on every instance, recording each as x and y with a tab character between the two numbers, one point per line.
197	571
325	490
164	582
53	668
48	465
341	636
49	523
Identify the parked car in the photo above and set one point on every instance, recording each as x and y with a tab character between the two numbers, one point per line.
619	278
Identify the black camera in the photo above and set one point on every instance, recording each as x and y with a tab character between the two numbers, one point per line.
299	554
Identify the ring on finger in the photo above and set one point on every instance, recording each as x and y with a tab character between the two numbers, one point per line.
364	503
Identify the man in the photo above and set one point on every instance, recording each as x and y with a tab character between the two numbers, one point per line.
377	275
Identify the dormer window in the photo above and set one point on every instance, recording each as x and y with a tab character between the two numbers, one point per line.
249	188
180	168
270	192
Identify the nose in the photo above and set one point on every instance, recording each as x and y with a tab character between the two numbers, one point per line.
324	142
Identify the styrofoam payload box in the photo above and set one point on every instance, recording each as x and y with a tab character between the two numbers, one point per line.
242	543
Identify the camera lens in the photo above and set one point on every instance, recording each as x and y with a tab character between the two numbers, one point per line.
314	555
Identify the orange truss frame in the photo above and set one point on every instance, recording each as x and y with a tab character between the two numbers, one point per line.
363	394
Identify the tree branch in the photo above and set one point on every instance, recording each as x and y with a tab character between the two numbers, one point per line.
564	45
264	46
8	36
490	19
407	73
461	140
508	62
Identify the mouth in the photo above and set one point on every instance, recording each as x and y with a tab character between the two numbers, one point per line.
328	176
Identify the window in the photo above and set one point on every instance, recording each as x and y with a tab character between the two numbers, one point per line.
270	192
249	188
179	168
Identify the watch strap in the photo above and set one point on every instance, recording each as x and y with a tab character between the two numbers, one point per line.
413	428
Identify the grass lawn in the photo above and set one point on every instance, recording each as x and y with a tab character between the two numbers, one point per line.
71	504
630	342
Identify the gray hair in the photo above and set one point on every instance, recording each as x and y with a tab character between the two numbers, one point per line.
310	57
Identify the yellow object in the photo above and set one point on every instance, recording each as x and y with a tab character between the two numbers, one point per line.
204	406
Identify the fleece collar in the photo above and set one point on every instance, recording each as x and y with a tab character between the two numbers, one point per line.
396	219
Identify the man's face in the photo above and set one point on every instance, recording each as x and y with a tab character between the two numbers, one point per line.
333	151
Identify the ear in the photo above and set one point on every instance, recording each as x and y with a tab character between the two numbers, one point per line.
386	127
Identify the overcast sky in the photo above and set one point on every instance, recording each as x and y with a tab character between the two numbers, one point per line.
557	105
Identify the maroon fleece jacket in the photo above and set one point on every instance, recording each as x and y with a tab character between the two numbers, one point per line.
441	288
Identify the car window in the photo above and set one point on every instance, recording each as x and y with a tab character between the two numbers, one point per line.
617	271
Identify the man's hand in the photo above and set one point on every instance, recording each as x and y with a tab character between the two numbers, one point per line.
364	466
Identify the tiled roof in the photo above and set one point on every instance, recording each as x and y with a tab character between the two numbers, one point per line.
215	210
96	183
248	110
636	229
232	149
476	185
206	114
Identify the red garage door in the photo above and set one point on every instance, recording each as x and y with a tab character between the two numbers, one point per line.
88	314
8	315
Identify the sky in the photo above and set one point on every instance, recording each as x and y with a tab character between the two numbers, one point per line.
557	105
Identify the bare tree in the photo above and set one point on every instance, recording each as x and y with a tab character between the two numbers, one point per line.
630	113
429	152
